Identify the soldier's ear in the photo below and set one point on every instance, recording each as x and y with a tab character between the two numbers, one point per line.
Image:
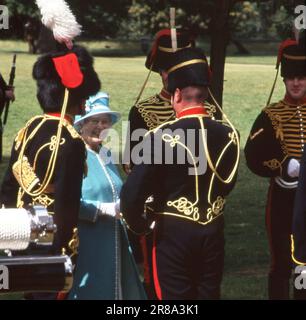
177	97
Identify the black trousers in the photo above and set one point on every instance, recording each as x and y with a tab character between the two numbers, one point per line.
279	212
188	259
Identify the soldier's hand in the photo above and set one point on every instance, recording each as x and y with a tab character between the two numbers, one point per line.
127	168
9	94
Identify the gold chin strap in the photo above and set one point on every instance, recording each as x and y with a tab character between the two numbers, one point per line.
273	86
144	84
236	137
54	152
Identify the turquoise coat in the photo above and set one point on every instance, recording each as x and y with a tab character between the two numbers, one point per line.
105	266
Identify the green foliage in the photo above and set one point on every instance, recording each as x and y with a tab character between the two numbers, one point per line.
147	17
99	20
134	19
245	19
277	17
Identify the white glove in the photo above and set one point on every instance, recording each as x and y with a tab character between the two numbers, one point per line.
293	169
109	208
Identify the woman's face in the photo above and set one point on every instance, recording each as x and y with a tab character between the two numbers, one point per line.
95	129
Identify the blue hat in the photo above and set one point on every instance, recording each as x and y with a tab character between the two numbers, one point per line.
97	104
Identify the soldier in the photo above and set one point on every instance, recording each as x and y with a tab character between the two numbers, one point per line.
274	149
6	93
42	169
147	115
153	111
189	199
47	161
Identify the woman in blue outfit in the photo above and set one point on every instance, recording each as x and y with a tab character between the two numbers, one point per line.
105	266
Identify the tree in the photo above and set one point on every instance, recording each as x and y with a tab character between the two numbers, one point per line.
100	19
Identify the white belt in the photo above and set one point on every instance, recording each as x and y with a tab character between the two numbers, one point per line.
285	184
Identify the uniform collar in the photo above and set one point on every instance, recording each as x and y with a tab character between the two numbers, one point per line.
287	99
67	117
193	111
165	95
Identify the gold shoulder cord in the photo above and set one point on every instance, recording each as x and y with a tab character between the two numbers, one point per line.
144	85
51	165
233	138
292	253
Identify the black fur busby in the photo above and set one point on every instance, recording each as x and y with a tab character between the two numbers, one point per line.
189	67
50	88
160	55
292	57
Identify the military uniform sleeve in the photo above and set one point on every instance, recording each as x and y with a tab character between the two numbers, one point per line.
263	151
299	218
134	193
226	167
3	85
134	137
136	190
68	184
10	186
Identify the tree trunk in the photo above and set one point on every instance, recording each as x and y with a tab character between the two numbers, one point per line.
220	36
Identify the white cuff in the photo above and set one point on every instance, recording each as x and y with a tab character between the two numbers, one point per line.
293	169
107	208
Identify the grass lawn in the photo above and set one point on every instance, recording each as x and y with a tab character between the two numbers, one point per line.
248	81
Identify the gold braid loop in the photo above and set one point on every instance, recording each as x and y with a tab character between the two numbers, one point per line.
54	152
212	167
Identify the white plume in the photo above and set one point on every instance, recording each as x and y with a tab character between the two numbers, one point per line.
296	33
57	16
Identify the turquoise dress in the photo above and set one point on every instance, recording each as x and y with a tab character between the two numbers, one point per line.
105	267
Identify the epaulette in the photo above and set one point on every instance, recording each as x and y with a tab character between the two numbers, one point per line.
280	111
211	110
74	134
273	106
20	135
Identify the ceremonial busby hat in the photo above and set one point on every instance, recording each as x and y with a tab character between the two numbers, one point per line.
160	55
189	67
292	58
71	69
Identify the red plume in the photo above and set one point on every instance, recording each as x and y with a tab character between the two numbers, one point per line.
283	45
